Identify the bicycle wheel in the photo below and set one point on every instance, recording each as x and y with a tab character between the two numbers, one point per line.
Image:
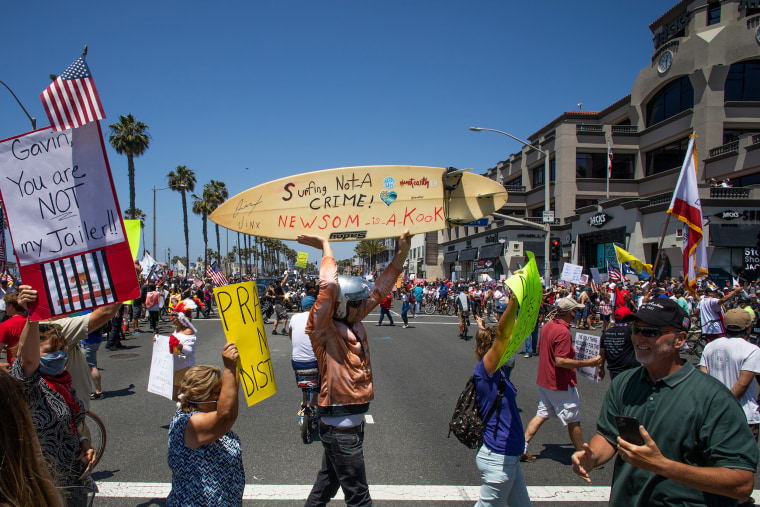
97	433
451	309
430	308
306	426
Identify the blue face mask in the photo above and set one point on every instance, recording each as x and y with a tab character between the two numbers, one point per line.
52	364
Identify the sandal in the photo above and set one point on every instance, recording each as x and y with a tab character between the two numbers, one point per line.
97	396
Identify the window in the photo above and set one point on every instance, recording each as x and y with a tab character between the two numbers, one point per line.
730	135
743	82
538	173
675	97
517	182
582	203
590	165
743	181
623	166
666	157
713	13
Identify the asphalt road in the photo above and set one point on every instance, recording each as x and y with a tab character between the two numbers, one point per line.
419	373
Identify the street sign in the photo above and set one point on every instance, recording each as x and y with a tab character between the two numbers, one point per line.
548	217
481	222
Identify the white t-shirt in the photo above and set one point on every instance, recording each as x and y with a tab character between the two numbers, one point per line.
302	351
724	359
186	357
710	312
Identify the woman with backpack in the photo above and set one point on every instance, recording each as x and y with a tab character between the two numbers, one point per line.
498	459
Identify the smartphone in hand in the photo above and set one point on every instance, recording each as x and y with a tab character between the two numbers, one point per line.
628	429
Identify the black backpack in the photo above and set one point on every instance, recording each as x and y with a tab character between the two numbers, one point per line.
466	423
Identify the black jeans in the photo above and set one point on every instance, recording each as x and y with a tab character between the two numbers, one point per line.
342	466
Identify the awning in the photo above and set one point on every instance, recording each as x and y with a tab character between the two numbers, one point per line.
491	251
735	235
450	257
468	255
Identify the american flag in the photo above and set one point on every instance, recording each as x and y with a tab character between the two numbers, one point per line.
72	99
609	161
216	275
613	273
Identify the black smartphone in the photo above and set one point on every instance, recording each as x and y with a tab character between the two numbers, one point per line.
628	429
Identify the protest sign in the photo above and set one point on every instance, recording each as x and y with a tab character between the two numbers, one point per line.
583	279
595	275
133	236
587	347
527	288
64	220
240	310
571	273
302	260
161	377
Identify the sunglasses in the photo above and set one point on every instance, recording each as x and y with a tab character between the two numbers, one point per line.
647	332
354	304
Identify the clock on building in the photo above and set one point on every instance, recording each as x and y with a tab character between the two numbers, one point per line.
757	35
665	60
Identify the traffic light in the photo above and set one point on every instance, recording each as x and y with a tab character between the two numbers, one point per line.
555	250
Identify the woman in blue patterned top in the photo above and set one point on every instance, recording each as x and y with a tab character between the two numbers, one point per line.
204	452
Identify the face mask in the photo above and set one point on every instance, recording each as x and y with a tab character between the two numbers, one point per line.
52	364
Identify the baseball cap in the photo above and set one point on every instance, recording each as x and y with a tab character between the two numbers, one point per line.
567	304
661	312
737	319
612	286
621	312
307	302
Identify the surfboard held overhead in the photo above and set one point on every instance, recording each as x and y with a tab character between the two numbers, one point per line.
367	202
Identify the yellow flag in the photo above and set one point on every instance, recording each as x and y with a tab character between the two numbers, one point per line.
636	264
527	288
133	236
240	311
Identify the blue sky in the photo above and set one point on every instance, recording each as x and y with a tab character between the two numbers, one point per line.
247	92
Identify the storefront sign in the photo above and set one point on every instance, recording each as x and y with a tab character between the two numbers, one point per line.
749	4
599	220
676	26
728	214
751	260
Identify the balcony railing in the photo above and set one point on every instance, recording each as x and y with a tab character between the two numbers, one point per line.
624	129
514	188
726	148
589	129
729	193
664	198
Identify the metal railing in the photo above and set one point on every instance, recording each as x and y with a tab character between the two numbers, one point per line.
663	198
589	129
726	148
729	193
625	129
514	188
540	220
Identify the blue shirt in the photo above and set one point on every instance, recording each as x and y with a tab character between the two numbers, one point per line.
510	437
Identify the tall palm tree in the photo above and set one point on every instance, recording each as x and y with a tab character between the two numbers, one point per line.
368	249
182	181
131	138
203	206
219	194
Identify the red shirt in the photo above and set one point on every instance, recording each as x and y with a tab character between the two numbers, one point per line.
387	302
556	342
10	333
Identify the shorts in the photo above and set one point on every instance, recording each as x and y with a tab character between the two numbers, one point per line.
605	318
280	311
564	404
90	353
462	317
179	375
136	310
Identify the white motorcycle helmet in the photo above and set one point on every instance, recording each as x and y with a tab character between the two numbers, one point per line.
351	288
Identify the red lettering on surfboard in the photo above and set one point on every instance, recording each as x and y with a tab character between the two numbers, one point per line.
411	182
308	225
438	214
354	219
392	220
408	214
282	221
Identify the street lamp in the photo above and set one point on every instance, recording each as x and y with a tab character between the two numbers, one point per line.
33	120
154	212
547	198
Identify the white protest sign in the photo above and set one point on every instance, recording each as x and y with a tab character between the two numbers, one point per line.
161	377
595	275
571	273
587	347
54	195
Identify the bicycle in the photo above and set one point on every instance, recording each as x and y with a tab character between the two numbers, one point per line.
96	431
308	381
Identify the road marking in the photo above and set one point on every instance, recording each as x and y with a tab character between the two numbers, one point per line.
368	419
378	492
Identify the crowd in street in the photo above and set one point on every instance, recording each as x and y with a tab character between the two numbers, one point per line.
706	456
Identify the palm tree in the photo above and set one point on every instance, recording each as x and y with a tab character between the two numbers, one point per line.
130	137
138	215
203	206
183	180
368	249
219	194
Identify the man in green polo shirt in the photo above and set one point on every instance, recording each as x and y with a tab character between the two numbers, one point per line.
698	449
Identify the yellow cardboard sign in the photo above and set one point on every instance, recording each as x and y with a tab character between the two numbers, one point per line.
303	258
240	310
133	236
527	288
